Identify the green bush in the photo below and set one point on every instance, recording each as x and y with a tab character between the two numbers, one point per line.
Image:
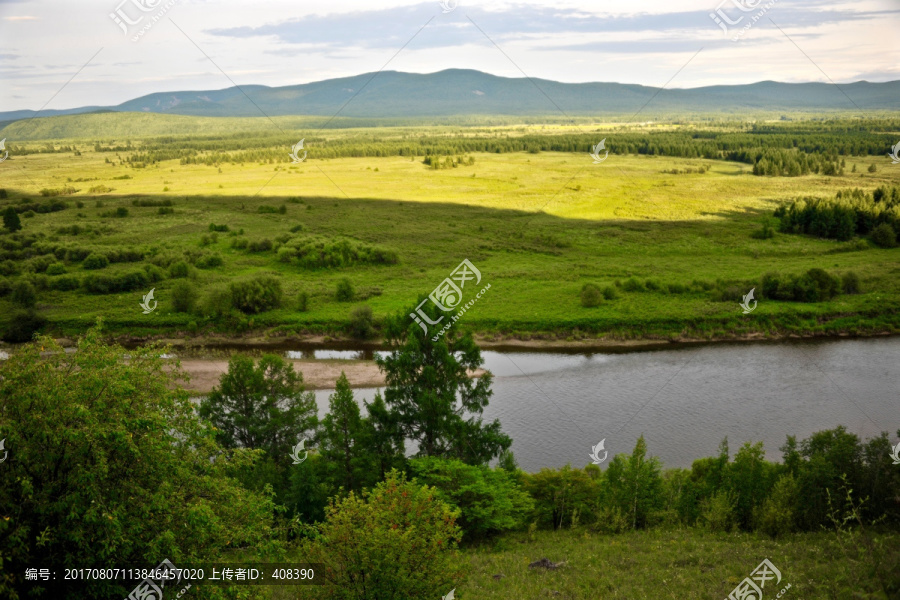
65	283
633	285
260	246
718	512
22	326
563	496
257	294
209	261
23	294
884	236
216	303
184	296
591	295
344	291
777	515
653	285
362	322
850	283
56	269
610	293
396	542
96	283
95	261
490	501
303	302
179	269
219	228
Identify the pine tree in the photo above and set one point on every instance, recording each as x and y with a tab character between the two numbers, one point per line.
347	461
11	220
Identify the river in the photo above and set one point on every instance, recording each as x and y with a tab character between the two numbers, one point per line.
557	406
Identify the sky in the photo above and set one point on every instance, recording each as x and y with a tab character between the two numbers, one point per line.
58	54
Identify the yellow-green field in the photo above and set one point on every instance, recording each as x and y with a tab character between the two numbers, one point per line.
538	225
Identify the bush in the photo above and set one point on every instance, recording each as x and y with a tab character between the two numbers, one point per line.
165	210
344	291
56	269
765	233
256	295
209	261
219	228
591	295
239	243
184	296
66	283
23	294
653	285
884	236
11	220
216	303
22	326
95	261
633	285
610	293
96	283
362	322
718	513
850	283
303	302
179	269
490	501
260	246
777	515
396	541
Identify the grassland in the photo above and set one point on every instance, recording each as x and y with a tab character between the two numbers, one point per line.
537	225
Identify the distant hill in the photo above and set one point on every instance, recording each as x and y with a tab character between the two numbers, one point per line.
391	94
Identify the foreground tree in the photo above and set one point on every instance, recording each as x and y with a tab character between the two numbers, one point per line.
109	466
430	392
395	542
349	463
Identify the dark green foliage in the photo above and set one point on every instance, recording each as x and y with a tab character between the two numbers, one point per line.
850	212
219	228
884	235
21	327
56	269
429	392
362	322
66	283
216	304
260	246
96	283
765	233
144	202
23	294
303	302
256	294
348	462
95	260
3	194
11	220
633	285
490	501
64	191
184	296
116	466
816	285
564	496
165	210
397	542
384	438
610	292
312	252
262	406
344	291
634	485
591	295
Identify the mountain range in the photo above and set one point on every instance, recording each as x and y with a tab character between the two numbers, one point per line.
392	94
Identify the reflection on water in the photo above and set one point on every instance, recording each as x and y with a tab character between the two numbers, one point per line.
310	354
684	401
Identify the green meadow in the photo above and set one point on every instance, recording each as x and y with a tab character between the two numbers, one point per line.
670	238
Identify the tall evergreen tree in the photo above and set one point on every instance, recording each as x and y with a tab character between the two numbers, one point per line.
347	460
430	393
382	436
11	220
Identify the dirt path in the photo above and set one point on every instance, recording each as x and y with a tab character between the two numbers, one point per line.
317	374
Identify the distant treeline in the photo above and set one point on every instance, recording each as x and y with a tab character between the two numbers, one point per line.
851	212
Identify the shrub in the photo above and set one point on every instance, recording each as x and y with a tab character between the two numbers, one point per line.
95	261
184	296
489	500
718	513
884	236
257	294
65	283
11	220
28	214
397	540
850	283
154	273
653	285
344	291
633	285
23	294
22	326
239	243
121	212
56	269
179	269
219	228
765	233
5	287
260	246
610	293
676	288
362	322
591	295
165	210
216	303
96	283
209	261
303	302
777	515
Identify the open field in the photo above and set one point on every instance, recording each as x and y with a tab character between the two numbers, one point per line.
538	225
